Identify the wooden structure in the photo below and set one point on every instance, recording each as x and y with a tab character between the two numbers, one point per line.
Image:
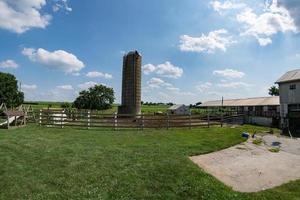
14	118
93	119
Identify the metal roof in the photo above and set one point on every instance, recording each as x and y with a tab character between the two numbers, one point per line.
290	76
259	101
175	107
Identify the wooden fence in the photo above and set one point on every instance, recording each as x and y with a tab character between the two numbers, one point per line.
92	119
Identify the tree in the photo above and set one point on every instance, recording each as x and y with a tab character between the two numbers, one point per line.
274	91
9	93
98	97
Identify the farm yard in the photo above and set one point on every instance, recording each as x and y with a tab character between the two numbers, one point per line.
42	163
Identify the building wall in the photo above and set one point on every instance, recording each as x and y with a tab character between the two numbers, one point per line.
262	121
288	96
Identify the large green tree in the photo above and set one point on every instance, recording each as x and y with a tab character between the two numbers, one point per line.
274	91
9	93
98	97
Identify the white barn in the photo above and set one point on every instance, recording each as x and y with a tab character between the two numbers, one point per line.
179	109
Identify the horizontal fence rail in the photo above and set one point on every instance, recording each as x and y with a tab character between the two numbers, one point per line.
93	119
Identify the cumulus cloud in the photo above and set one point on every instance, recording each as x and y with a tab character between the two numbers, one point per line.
8	64
274	19
227	5
61	5
65	87
293	6
166	69
96	74
22	15
233	85
229	73
58	60
204	87
215	40
88	84
157	83
26	87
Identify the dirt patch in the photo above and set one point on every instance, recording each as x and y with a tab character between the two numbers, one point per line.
251	168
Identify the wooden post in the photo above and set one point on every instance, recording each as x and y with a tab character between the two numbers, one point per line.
25	118
7	121
89	119
115	121
222	119
40	118
190	120
143	122
61	119
16	122
208	120
168	121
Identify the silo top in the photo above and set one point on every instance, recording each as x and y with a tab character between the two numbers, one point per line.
133	53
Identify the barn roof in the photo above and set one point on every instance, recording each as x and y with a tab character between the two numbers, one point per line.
293	75
175	107
259	101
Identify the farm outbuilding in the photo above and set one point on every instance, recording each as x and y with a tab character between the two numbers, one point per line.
289	89
179	109
259	105
261	110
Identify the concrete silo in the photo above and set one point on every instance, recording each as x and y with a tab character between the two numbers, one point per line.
131	84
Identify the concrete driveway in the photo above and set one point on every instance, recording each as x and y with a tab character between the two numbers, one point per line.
251	168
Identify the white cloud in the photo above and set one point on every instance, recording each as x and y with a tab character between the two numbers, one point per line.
227	5
215	40
96	74
61	5
11	64
26	87
204	87
59	60
157	83
234	85
274	19
148	69
87	85
65	87
229	73
293	7
21	15
166	69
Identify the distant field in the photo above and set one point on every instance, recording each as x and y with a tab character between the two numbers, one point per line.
145	108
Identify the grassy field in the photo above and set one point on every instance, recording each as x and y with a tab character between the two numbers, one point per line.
41	163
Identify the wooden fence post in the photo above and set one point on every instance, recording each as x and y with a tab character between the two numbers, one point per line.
61	119
115	121
143	123
40	118
7	121
190	120
208	120
222	118
88	119
168	121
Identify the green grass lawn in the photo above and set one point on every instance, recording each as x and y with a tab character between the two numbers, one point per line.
45	163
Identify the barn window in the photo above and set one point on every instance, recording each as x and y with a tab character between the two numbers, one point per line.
293	87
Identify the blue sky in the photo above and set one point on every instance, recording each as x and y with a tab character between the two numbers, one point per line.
192	50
